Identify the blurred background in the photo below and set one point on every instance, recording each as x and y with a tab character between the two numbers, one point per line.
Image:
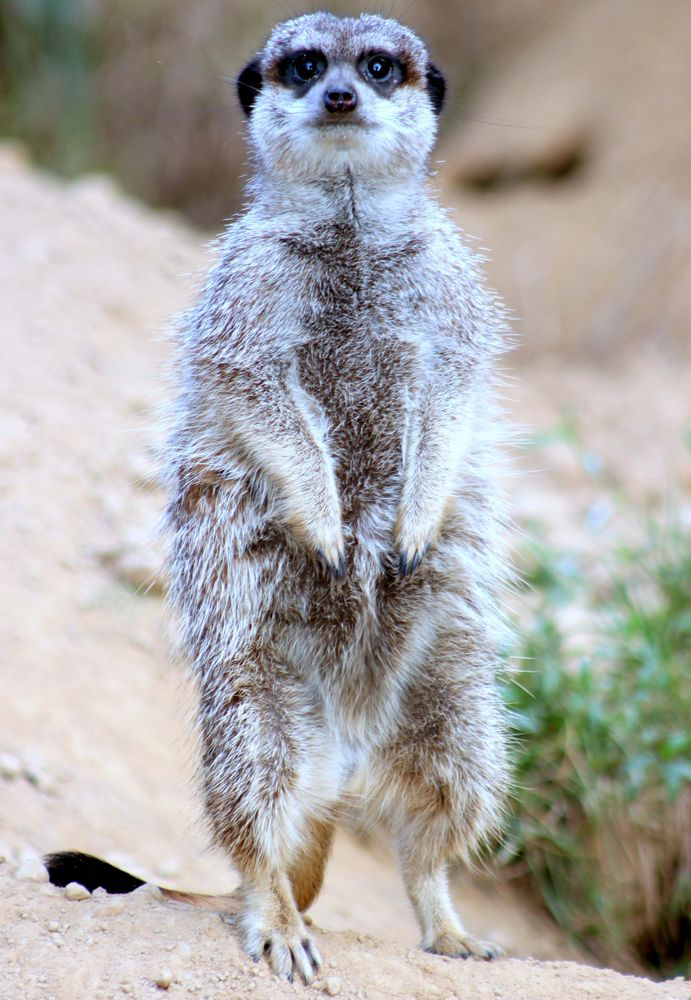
565	149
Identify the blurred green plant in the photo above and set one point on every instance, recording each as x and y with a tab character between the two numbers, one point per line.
48	55
601	827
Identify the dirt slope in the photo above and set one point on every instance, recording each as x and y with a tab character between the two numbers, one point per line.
574	170
95	750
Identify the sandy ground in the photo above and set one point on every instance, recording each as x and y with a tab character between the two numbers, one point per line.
95	746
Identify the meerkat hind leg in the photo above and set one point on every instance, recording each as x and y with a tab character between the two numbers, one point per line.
272	925
442	930
443	777
277	903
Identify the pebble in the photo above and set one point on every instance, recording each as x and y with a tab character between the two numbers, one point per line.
32	871
10	766
53	926
164	979
40	779
73	890
332	986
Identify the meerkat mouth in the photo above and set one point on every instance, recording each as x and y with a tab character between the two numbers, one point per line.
335	124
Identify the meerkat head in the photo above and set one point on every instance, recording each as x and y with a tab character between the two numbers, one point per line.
330	95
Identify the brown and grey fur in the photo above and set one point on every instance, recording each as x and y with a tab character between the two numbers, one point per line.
334	532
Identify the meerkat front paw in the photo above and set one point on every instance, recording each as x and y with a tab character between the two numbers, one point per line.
410	558
411	544
333	560
457	944
327	538
321	532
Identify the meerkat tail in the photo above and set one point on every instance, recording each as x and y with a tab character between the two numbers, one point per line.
94	873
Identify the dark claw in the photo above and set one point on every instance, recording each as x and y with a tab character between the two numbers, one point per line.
267	947
443	954
406	568
255	957
290	977
310	955
335	570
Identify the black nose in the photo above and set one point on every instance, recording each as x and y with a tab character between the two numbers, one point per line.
340	100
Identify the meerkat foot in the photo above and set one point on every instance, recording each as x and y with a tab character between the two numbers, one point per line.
288	950
272	926
457	944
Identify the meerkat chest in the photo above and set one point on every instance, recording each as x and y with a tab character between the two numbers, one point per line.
365	336
364	359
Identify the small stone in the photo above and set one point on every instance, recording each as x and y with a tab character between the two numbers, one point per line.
36	774
10	766
32	871
332	986
164	979
53	926
73	890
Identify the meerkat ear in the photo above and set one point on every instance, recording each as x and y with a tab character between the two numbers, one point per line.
436	87
249	83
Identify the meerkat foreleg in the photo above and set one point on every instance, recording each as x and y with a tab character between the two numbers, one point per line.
272	420
437	439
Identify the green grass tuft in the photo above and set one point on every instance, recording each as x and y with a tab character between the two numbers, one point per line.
603	753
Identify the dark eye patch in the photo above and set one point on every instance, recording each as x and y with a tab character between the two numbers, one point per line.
382	70
301	69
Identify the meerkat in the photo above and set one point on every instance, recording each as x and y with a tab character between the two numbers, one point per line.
334	530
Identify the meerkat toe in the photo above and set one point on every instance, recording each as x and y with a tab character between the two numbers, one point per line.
312	953
456	945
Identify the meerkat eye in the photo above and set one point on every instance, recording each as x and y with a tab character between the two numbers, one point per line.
308	66
380	68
